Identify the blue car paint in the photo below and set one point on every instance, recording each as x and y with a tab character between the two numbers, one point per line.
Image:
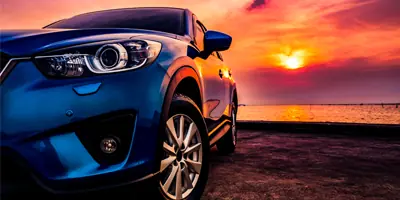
35	103
42	40
32	103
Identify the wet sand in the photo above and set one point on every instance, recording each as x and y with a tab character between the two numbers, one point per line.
276	165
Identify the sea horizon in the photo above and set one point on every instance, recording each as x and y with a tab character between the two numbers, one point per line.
342	113
269	104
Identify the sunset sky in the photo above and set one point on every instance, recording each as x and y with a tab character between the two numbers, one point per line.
344	51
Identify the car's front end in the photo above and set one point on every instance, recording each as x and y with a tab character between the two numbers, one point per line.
71	117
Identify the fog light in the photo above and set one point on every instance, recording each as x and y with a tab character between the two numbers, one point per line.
109	145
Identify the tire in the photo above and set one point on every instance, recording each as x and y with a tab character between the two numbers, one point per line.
227	143
187	157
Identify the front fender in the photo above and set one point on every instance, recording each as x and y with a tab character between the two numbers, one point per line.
178	74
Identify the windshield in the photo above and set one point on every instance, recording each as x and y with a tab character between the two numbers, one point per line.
168	20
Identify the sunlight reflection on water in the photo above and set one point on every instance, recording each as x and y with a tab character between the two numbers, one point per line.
374	114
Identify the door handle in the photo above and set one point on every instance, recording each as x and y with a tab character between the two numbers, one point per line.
220	73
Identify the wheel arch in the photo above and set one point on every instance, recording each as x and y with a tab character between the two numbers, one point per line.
184	81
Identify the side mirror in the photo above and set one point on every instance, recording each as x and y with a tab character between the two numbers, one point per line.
216	41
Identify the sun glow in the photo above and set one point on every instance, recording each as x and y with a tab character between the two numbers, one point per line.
293	60
292	63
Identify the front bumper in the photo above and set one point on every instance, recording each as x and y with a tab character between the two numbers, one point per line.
44	124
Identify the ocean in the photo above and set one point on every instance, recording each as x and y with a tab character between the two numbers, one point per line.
371	114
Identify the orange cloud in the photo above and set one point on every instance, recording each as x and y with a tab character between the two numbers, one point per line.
308	25
259	34
328	34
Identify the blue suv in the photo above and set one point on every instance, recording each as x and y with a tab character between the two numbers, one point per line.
113	97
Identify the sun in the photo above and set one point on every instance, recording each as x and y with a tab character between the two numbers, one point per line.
292	63
293	60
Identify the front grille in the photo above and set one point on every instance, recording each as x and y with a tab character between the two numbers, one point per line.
14	177
11	170
4	58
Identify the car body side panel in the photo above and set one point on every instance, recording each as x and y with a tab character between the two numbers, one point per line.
211	85
230	85
215	86
215	89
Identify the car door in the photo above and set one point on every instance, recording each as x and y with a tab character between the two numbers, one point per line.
227	78
213	76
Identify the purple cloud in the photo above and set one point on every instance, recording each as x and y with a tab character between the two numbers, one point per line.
379	12
257	4
354	81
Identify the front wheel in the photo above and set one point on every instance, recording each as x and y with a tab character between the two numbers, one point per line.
184	162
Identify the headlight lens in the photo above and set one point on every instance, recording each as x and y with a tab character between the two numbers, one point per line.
110	57
100	59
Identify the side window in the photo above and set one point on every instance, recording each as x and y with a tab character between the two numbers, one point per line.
202	26
199	35
200	31
215	53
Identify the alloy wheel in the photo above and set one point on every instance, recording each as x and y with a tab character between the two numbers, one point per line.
182	161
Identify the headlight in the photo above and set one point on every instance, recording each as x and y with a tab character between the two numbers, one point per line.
99	59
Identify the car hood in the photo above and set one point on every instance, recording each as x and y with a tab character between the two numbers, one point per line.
23	43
